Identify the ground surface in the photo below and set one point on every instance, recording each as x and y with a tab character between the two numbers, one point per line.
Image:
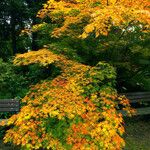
137	134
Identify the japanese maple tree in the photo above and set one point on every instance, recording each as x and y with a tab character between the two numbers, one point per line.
96	16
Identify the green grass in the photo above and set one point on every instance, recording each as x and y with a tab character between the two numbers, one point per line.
7	147
137	134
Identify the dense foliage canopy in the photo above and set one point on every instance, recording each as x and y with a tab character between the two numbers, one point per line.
98	16
75	110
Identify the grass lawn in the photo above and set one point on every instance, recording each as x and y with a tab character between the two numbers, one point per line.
137	134
7	147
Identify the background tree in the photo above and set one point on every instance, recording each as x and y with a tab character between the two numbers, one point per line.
15	15
34	7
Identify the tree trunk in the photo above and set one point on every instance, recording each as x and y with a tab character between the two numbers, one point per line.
34	35
13	33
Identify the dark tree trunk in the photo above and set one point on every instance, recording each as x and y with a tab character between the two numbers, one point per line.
34	6
13	33
34	35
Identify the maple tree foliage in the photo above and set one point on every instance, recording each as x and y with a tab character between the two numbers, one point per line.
76	110
96	16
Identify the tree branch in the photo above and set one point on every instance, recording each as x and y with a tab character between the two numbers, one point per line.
107	3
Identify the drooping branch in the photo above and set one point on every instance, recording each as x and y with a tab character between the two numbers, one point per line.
107	3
